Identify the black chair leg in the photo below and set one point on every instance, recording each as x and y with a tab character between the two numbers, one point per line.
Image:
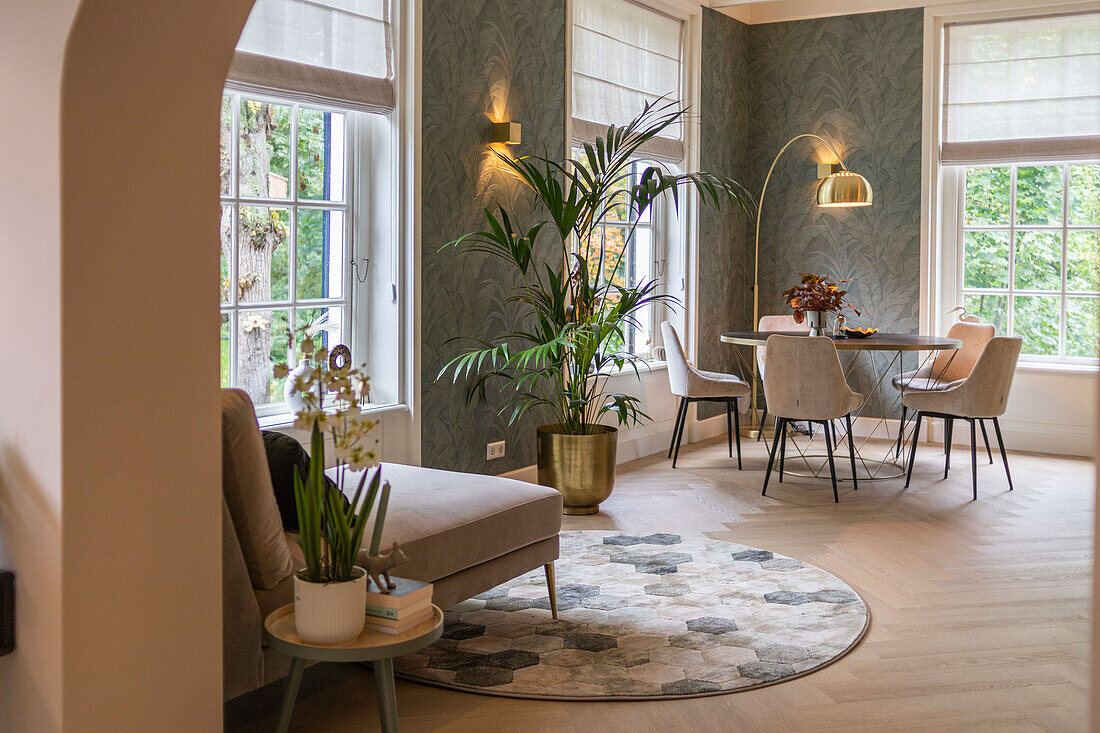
949	429
913	452
676	426
901	431
851	450
760	428
985	437
680	433
783	451
729	427
1004	456
974	459
832	468
771	455
737	430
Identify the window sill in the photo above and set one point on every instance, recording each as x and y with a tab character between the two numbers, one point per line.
1055	367
644	368
285	420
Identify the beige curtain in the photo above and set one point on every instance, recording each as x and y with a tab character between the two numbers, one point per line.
336	52
1022	90
624	55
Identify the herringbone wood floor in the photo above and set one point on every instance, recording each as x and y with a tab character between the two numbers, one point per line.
979	609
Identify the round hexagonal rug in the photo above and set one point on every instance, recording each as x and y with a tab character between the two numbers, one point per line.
655	616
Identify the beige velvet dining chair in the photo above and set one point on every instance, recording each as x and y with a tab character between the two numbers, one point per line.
774	323
948	369
805	382
981	396
695	385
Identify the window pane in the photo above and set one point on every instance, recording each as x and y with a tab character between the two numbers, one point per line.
1084	195
320	252
320	155
262	271
1082	324
226	252
1083	267
226	144
1039	194
261	343
264	165
987	195
1036	319
614	264
326	325
591	251
989	309
986	258
621	210
1039	260
226	347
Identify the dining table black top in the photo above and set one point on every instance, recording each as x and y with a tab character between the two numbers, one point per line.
878	341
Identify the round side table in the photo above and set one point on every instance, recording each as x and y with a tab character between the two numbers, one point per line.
372	646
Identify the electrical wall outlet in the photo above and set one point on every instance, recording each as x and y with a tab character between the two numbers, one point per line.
494	450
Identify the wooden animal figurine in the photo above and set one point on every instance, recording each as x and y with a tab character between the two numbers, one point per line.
378	566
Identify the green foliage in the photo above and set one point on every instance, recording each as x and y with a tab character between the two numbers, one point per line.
1038	264
330	531
988	195
574	318
1039	195
986	263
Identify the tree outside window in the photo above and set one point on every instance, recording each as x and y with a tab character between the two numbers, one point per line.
1031	255
283	235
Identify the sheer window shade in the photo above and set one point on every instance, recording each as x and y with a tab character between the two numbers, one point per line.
333	52
1022	90
624	55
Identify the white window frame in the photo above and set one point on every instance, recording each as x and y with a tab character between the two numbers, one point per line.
355	206
675	232
941	215
955	181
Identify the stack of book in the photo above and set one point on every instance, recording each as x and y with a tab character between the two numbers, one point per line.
407	605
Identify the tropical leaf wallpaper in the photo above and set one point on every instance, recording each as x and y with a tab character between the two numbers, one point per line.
857	81
484	61
725	244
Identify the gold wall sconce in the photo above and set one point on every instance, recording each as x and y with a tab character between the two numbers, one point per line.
840	187
507	133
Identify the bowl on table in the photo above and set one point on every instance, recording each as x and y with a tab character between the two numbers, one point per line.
860	333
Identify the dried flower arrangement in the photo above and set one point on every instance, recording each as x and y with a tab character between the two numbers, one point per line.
817	293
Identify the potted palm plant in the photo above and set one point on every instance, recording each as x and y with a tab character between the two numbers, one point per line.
574	318
330	592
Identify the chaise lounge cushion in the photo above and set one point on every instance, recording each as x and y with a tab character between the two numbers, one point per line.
246	484
447	522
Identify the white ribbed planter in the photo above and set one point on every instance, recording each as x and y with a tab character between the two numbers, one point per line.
330	613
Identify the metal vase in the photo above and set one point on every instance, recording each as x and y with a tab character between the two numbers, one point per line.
817	322
581	467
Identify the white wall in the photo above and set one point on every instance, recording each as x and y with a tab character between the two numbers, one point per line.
110	504
30	370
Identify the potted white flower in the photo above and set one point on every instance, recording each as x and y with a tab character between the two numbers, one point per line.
330	591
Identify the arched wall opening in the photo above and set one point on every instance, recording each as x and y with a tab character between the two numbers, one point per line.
112	432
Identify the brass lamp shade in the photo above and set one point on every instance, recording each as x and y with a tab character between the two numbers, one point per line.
844	188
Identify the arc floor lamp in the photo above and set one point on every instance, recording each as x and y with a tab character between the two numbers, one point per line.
838	189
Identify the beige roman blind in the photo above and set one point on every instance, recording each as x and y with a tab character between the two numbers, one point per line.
1022	90
333	52
624	54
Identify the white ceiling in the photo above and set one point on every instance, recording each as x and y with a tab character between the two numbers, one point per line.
771	11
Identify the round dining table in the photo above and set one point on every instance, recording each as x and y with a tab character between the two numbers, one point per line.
886	466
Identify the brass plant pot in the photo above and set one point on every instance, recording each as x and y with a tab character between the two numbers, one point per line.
581	467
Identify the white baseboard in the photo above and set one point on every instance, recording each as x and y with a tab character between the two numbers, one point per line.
530	474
